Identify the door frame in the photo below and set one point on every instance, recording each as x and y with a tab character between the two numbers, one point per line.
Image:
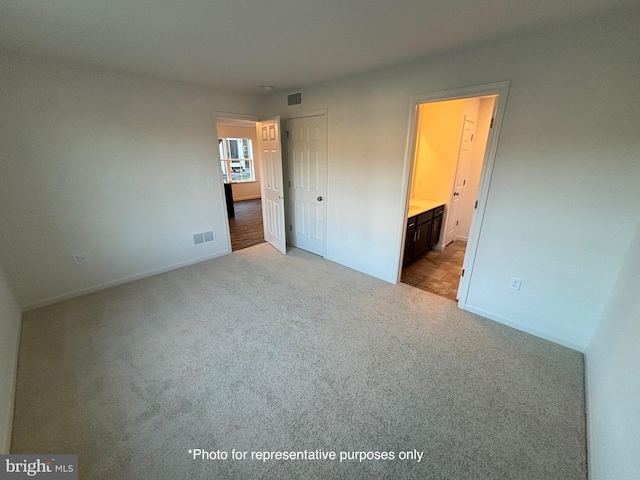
223	201
315	113
499	88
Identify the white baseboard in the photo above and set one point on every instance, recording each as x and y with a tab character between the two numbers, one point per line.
5	441
523	328
114	283
587	408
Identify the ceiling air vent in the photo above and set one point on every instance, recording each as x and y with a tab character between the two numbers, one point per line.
294	99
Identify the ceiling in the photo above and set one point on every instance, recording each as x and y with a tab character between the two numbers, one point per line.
239	45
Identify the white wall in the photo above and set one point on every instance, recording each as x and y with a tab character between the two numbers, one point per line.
107	163
613	383
563	201
10	316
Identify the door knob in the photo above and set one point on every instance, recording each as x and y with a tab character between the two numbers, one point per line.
319	199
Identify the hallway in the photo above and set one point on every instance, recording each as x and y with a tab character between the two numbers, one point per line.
246	227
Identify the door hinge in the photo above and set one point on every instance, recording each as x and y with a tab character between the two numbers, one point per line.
472	138
476	207
464	182
291	228
456	223
289	183
462	273
288	131
490	126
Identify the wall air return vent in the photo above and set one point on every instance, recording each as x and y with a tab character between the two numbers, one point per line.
204	237
294	99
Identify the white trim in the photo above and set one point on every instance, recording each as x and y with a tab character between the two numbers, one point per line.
7	435
234	116
588	416
407	175
502	89
524	328
313	113
223	199
114	283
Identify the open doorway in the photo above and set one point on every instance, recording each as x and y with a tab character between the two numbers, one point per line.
240	169
450	146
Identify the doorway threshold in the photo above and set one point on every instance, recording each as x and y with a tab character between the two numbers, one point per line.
438	271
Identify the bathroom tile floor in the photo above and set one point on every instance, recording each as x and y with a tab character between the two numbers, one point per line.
438	271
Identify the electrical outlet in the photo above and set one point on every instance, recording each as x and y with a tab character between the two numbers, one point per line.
419	182
515	283
79	258
209	182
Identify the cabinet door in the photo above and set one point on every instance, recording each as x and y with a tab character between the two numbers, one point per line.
436	227
408	246
421	244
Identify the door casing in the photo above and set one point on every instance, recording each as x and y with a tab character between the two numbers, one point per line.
254	119
501	89
218	177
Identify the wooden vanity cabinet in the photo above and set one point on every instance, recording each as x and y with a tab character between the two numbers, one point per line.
422	239
409	240
436	226
423	232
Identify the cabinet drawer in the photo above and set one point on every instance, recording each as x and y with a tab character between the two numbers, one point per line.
438	211
412	222
425	217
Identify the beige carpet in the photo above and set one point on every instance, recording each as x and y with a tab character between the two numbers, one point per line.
256	351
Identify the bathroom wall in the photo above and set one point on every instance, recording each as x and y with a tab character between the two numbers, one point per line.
437	150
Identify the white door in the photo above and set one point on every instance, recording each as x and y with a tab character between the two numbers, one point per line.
457	195
271	184
307	171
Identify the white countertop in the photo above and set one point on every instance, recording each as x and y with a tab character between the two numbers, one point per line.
416	207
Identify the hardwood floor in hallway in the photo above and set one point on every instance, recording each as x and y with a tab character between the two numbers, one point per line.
437	271
246	227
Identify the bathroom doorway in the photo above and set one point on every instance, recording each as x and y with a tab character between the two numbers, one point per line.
451	140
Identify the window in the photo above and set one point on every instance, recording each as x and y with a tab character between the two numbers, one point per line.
236	159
